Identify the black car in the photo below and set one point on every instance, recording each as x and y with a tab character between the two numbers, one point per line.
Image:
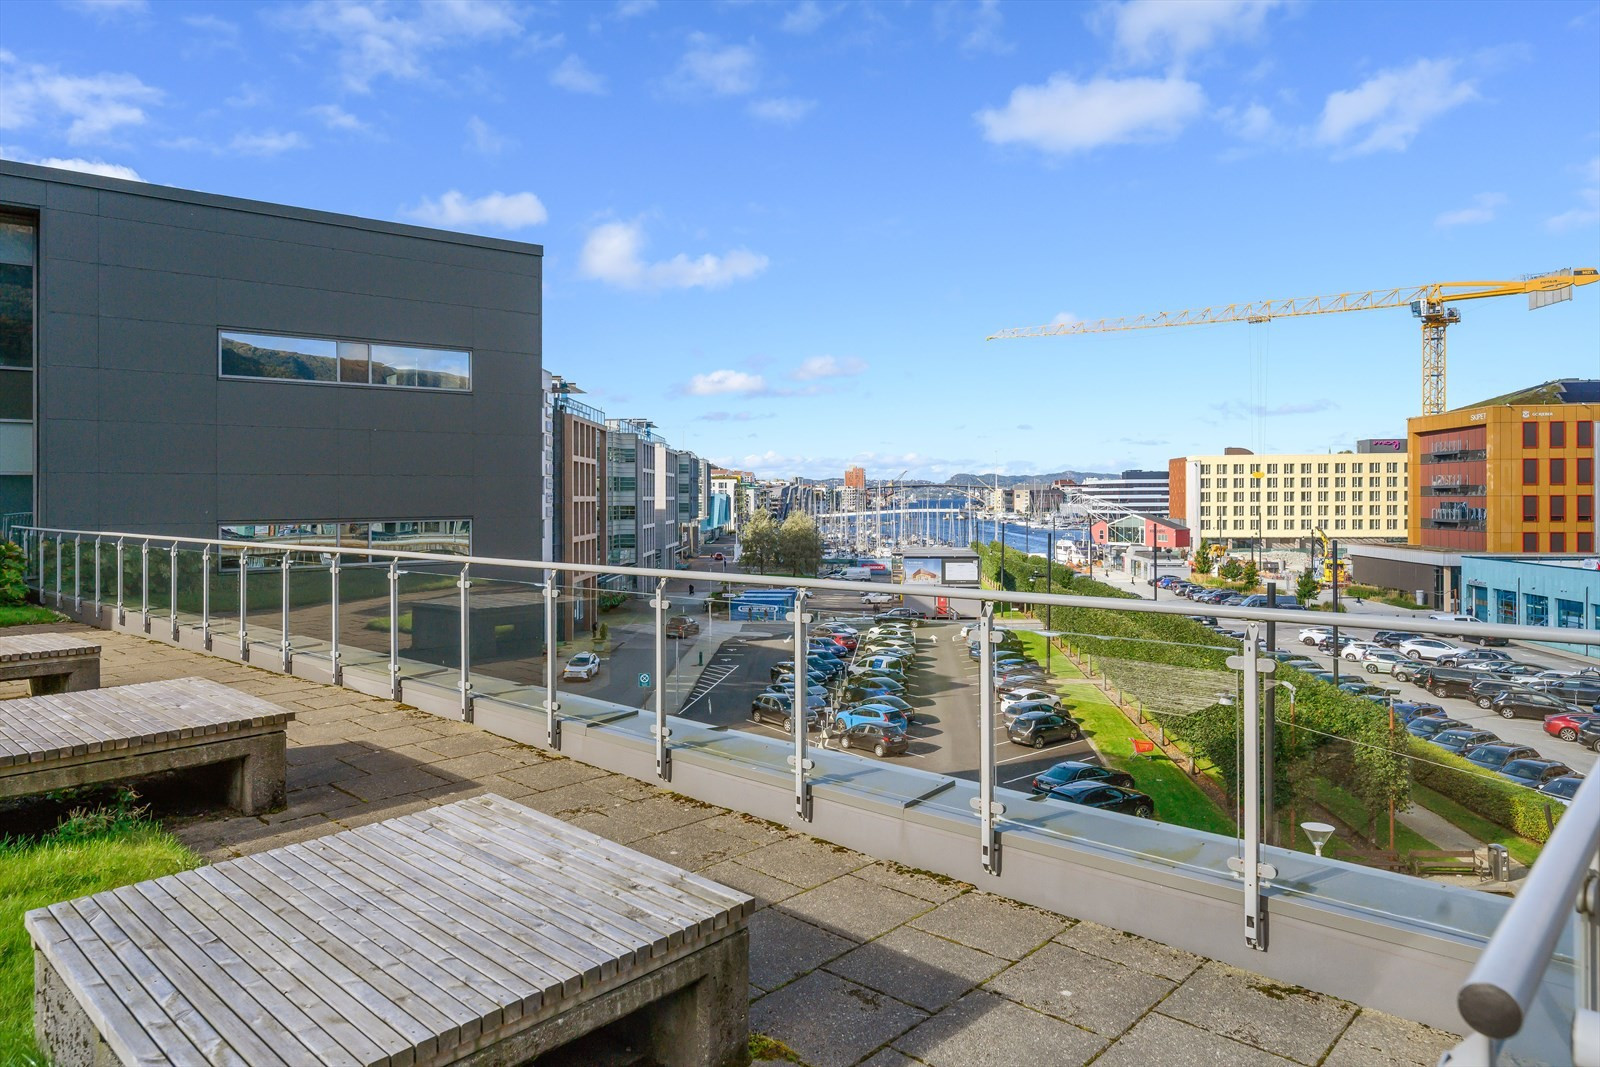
1529	704
1392	638
1041	728
1093	794
1589	735
1070	771
1585	691
1462	741
1429	725
777	708
1447	681
902	613
1408	711
1493	757
870	735
1563	788
1483	692
1535	772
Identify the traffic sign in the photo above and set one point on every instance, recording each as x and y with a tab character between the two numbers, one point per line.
644	681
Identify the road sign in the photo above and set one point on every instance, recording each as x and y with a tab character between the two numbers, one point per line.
644	681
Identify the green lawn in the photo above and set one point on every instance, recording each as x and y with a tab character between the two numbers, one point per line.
1522	850
81	857
1348	810
1178	799
26	615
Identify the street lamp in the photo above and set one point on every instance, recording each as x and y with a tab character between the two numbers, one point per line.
1255	499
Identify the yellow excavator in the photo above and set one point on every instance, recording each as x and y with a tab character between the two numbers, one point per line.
1322	567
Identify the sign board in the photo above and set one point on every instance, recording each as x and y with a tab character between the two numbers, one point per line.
960	570
644	681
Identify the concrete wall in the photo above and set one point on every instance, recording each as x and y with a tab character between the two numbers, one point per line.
137	431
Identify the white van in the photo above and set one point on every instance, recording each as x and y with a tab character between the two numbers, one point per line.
1453	618
1469	618
856	574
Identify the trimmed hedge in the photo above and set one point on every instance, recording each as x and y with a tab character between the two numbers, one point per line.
1516	807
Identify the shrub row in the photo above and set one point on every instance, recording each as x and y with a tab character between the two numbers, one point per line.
1516	807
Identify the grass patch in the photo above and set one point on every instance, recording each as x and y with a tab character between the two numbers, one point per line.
1522	850
381	623
1178	799
1348	810
26	615
89	852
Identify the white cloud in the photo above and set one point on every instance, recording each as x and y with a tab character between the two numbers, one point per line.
807	17
784	109
720	70
1065	318
1482	210
1587	213
501	211
86	166
629	9
266	142
94	107
1149	31
977	24
1252	123
1387	110
337	118
107	9
376	40
485	138
828	367
613	253
725	382
1063	116
572	75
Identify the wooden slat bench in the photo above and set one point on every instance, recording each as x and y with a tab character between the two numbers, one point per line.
109	735
52	663
480	932
1447	861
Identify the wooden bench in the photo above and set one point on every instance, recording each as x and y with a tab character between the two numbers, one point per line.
108	735
52	663
479	932
1447	861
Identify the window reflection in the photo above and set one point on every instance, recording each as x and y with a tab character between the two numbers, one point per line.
447	536
310	359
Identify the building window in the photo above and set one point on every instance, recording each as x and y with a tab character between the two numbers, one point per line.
1530	472
1530	509
1530	542
1569	613
1558	541
1558	435
1585	470
1394	524
1586	434
1558	472
1585	541
1585	508
1535	610
1558	509
1530	435
274	357
1338	468
1272	468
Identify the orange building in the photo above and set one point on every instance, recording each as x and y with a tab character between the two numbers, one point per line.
855	477
1513	474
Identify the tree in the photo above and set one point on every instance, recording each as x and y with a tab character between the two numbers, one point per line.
1249	575
1382	774
1230	569
1203	559
758	542
799	544
1306	587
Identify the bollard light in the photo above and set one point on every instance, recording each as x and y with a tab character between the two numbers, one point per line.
1319	832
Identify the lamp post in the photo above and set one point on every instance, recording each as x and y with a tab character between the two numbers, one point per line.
1049	586
1319	832
1255	500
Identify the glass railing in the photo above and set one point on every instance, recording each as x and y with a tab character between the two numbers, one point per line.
1079	720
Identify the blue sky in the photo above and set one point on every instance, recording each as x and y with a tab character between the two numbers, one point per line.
783	231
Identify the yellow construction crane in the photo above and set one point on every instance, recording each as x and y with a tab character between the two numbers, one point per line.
1427	303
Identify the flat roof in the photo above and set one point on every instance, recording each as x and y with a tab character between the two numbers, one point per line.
58	176
1584	562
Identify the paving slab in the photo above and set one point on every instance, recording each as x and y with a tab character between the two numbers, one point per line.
1152	957
1285	1020
782	948
1170	1043
695	846
935	887
765	888
1095	994
854	908
554	774
830	1022
803	861
1374	1037
925	971
985	1030
994	924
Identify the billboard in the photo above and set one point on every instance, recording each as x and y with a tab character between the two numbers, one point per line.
921	571
961	570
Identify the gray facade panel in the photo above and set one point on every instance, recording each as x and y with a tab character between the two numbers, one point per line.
137	430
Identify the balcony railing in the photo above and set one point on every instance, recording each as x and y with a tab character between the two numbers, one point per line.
467	637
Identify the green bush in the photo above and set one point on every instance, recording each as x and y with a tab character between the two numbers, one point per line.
1515	807
13	574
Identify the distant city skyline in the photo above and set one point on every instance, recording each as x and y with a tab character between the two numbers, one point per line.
783	231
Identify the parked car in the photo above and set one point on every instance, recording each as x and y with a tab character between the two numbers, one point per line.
1528	704
1010	713
865	690
887	717
1493	757
1382	661
682	626
1356	651
1428	648
776	708
889	700
1069	771
1393	638
1447	681
1030	695
581	667
1504	669
1041	728
1568	724
1464	740
1585	691
1562	789
1589	735
1407	711
1312	634
1427	726
1303	664
880	739
1483	692
1359	688
1534	772
877	598
903	613
1472	655
1093	794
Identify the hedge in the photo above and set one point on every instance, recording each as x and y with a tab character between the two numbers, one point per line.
1516	807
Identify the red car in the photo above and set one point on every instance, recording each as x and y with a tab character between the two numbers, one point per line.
844	641
1567	725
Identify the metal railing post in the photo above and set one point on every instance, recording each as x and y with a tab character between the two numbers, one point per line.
394	630
205	598
552	723
122	614
244	635
285	651
172	606
77	574
987	807
335	668
799	705
465	585
1249	865
39	585
144	585
97	577
1586	1019
58	570
663	753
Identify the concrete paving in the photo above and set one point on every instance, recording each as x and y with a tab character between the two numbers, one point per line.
853	961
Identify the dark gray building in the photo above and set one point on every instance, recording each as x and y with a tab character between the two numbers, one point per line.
180	362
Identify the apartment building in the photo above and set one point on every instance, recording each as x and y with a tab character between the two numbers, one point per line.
1142	492
1285	498
579	466
1513	474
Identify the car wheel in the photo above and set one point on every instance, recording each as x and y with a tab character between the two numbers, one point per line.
1438	691
1413	654
1038	742
1507	713
1074	735
878	750
788	724
1144	811
1568	734
1485	703
1595	744
844	741
755	717
1372	668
